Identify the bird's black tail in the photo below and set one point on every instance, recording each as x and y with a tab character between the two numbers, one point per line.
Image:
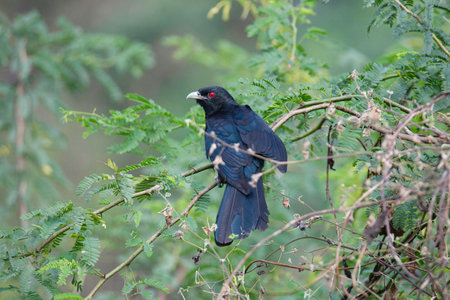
239	214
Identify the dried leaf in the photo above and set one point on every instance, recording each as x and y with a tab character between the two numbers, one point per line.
286	203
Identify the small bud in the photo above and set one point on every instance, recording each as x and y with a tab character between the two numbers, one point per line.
354	121
331	109
286	203
178	235
371	220
339	126
206	230
374	114
366	132
305	151
354	75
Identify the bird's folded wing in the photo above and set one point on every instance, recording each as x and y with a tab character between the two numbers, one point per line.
258	136
228	162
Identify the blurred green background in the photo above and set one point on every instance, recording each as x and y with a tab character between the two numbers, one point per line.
170	80
347	47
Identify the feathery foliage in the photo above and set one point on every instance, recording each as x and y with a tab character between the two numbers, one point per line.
376	140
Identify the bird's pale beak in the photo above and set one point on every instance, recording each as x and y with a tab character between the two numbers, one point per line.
195	95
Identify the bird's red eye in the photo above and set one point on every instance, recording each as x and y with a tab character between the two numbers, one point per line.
211	95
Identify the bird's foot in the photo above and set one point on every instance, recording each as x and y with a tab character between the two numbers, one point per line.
219	181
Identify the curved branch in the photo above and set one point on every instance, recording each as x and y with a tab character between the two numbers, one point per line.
97	212
316	128
322	104
301	108
295	112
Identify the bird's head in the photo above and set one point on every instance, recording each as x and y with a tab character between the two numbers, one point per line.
211	98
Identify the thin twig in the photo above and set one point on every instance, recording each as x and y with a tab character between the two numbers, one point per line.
149	241
330	163
97	212
284	228
197	170
419	20
316	128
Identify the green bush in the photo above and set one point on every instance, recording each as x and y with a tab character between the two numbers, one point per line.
375	140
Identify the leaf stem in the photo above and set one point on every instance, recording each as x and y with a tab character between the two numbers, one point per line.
435	38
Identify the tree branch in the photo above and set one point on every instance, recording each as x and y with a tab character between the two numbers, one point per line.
97	212
197	170
326	103
435	38
288	225
139	250
316	128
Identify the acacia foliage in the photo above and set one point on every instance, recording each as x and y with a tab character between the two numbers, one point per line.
381	230
38	67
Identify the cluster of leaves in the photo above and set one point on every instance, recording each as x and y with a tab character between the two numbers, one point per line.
38	66
146	123
389	213
39	278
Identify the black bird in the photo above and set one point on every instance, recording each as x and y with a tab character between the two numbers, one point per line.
243	206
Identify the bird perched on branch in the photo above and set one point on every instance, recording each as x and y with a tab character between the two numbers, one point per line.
237	140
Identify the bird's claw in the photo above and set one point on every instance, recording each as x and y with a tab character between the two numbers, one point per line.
219	181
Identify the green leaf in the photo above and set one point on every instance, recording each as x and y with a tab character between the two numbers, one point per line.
111	164
128	287
405	216
87	183
90	251
190	222
67	296
130	143
108	83
137	217
148	249
156	285
145	163
138	98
